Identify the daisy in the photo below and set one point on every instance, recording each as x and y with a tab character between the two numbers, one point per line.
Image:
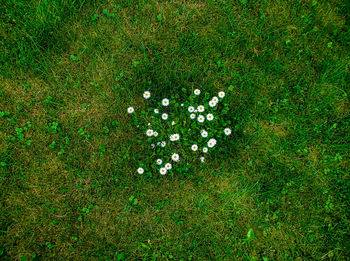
168	166
227	131
191	109
197	92
149	132
163	144
212	103
210	117
221	94
131	110
194	147
202	159
146	95
164	116
159	161
163	171
205	150
155	134
204	134
173	123
176	136
200	108
165	102
215	99
140	170
156	111
201	118
211	143
192	116
175	157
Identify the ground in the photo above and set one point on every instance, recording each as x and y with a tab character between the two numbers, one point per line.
68	186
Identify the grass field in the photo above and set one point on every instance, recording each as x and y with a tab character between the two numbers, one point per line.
68	185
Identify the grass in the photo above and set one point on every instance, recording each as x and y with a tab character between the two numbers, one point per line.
68	188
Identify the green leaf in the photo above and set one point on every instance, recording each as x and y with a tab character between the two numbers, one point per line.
250	234
73	58
52	145
94	17
120	256
159	17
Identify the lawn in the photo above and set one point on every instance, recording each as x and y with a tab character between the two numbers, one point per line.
277	189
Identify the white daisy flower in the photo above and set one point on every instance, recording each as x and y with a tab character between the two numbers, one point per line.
200	108
211	143
196	111
173	123
165	102
149	132
221	94
191	109
204	134
168	166
159	162
193	116
164	116
197	92
213	140
174	137
212	103
215	99
210	117
194	147
205	150
156	111
163	144
201	118
175	157
163	171
140	170
146	95
202	159
155	134
227	131
131	110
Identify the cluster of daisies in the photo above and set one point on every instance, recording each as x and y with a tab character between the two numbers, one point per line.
198	116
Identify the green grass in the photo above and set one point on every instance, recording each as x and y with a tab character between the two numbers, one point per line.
68	188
